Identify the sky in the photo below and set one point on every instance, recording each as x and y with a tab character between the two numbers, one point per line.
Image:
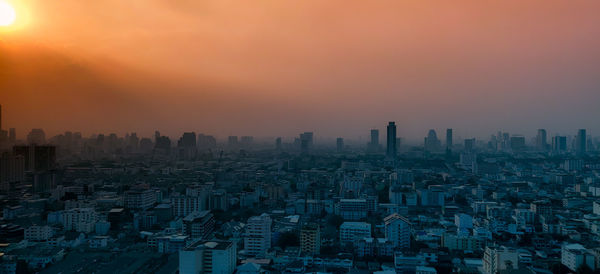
278	68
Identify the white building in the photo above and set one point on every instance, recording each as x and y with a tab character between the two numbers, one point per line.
397	230
208	257
184	205
80	219
350	232
38	233
499	258
258	235
575	255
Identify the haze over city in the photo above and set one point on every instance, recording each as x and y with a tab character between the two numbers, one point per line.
314	136
276	68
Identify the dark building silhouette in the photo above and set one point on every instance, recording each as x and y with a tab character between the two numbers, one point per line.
449	139
278	143
339	142
559	143
581	142
432	143
37	158
206	142
391	149
541	142
36	136
232	141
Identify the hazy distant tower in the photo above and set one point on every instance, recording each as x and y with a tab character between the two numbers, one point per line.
449	141
581	142
340	144
391	150
540	140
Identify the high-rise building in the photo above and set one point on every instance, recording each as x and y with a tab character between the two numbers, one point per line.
398	230
391	149
257	240
431	141
306	142
559	143
212	256
375	137
541	142
246	141
37	158
278	145
469	144
581	142
232	141
12	169
206	142
198	224
449	140
339	142
517	143
12	135
36	136
310	238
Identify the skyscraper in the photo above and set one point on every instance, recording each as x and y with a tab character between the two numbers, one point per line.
540	140
339	144
391	149
375	137
581	142
559	143
36	136
431	141
306	142
278	143
449	140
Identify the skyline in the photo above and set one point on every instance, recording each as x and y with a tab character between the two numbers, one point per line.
368	139
279	69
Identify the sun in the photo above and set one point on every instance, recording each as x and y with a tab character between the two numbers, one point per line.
7	14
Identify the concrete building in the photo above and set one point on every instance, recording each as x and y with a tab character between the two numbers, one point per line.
208	257
257	240
499	258
575	255
310	238
398	230
198	224
351	232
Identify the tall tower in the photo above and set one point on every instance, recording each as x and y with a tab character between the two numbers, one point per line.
449	140
374	137
391	140
540	140
580	142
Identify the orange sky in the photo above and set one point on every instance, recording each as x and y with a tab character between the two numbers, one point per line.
275	67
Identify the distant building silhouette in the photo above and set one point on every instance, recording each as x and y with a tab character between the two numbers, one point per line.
449	139
581	142
36	136
541	142
391	149
431	141
339	142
